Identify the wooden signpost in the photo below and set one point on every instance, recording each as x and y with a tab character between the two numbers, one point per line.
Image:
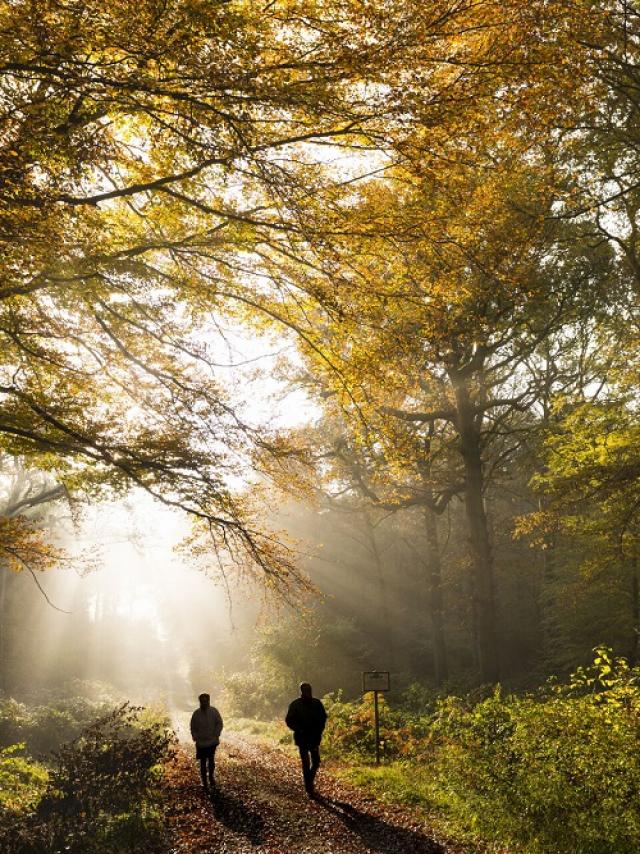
376	681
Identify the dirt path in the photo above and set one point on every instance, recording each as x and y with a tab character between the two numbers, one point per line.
260	806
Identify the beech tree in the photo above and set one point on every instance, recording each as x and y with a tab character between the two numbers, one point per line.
147	164
425	297
126	145
141	162
163	173
455	284
376	473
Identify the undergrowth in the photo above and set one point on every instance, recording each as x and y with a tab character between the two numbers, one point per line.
554	771
99	792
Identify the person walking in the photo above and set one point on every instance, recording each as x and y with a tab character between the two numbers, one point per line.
206	726
307	718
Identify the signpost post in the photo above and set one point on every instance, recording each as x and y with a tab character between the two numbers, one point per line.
376	681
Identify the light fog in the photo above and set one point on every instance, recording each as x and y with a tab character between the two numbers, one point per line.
129	612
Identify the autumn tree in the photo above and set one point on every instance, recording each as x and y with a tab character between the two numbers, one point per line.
126	145
29	502
456	282
148	166
428	296
212	160
586	521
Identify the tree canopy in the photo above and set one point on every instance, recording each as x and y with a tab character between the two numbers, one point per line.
437	201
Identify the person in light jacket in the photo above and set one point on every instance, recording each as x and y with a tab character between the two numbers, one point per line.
306	717
206	726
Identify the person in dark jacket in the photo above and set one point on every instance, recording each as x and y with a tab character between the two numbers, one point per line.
206	726
307	717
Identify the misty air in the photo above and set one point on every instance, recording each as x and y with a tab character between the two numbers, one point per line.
319	443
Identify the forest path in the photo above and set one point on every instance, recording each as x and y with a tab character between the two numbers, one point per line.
259	806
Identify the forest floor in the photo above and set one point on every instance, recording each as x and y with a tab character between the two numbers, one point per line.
259	806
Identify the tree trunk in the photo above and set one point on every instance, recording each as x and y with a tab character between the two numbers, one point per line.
383	601
549	628
481	556
436	609
635	613
3	605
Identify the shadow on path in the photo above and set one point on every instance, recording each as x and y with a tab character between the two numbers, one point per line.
377	834
236	816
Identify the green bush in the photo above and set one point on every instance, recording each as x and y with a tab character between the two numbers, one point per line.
102	792
22	782
256	693
45	727
350	729
558	771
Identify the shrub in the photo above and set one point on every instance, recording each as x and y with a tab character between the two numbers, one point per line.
555	771
102	792
351	729
45	727
257	693
22	782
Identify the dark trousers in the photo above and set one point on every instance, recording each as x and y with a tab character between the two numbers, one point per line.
207	757
310	758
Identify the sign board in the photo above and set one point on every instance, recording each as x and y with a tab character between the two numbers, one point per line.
376	680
